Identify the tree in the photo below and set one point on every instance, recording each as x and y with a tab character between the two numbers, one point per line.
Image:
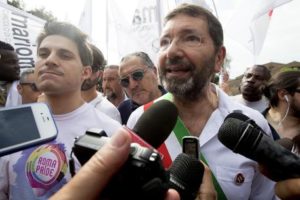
42	13
39	12
16	3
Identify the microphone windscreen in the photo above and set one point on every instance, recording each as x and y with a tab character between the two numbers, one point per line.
186	175
237	115
229	132
157	122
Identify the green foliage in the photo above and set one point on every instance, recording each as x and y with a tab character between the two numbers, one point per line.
42	13
16	3
292	68
39	12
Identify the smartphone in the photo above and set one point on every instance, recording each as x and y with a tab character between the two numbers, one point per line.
25	126
190	146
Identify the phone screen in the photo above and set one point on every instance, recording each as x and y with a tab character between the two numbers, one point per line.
191	146
17	126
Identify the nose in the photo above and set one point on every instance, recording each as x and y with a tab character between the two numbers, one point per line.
51	60
173	50
132	83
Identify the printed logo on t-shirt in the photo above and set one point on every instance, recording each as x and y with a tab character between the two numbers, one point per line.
45	167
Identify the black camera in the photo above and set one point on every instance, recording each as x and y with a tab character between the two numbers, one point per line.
141	177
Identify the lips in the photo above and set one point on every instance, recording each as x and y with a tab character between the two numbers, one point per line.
177	71
58	73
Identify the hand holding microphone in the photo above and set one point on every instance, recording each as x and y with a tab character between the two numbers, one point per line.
143	176
93	177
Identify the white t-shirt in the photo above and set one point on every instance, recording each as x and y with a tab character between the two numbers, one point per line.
39	172
13	96
259	105
105	106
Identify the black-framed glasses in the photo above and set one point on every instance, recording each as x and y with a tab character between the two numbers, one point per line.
32	86
135	75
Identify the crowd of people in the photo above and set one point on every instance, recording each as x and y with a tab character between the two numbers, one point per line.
66	76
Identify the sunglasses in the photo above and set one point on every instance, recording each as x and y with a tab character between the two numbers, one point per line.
32	86
136	75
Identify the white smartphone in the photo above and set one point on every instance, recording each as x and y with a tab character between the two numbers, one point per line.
25	126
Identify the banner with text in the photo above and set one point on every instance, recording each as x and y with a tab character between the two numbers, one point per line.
20	29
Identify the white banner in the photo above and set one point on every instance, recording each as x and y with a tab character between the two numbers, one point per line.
139	34
20	29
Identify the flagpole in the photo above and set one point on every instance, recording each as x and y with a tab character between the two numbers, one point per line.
158	12
107	31
217	15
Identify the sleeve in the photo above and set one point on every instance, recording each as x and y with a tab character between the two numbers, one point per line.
4	178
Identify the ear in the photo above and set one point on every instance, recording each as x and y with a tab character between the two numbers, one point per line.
219	59
20	89
282	95
99	74
86	72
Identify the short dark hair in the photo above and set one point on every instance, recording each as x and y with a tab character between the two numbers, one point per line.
98	59
214	26
142	55
112	67
6	46
71	32
287	80
267	72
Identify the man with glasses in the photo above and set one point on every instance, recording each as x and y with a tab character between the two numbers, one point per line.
252	85
191	52
138	77
27	87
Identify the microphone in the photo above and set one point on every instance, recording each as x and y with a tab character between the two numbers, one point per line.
250	141
155	124
151	130
186	175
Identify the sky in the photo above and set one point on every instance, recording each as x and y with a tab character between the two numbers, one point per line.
282	43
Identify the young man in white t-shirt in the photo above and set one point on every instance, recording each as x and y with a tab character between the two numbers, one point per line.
63	63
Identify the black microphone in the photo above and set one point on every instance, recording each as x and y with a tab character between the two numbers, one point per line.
286	143
186	175
250	141
156	123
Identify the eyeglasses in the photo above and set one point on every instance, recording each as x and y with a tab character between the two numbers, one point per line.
136	75
297	90
187	40
32	86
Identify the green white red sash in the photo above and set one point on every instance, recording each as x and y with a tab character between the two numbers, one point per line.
180	131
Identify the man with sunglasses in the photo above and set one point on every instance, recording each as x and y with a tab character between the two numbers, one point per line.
138	77
191	52
27	87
